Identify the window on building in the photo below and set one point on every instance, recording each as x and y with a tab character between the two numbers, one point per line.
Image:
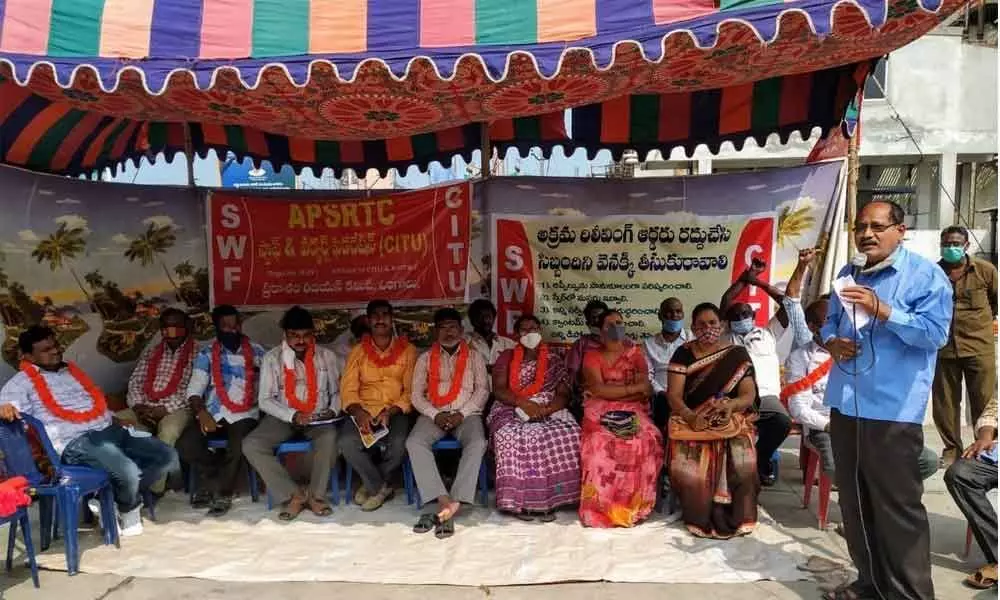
893	183
875	85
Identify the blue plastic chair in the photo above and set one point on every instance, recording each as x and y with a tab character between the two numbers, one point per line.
221	444
64	494
21	517
302	447
445	443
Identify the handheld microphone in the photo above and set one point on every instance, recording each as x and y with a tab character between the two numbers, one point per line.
858	262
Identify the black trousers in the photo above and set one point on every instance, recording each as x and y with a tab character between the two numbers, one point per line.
215	474
968	481
881	489
773	425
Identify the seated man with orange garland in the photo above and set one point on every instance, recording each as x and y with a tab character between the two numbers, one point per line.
450	390
157	389
300	396
222	395
375	392
76	418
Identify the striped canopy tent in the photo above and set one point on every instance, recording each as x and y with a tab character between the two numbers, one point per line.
88	84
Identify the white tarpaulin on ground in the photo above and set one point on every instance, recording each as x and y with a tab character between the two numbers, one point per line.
488	548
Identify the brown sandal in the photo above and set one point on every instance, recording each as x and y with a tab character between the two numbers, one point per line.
293	509
983	579
320	508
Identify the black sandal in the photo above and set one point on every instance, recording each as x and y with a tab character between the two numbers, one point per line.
524	516
850	591
547	517
444	529
220	506
426	523
201	499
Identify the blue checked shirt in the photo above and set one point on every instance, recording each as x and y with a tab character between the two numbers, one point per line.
67	392
234	378
895	383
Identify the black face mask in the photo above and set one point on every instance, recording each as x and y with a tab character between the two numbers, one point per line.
231	340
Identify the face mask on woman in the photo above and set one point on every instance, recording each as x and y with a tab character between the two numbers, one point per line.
616	332
671	326
741	327
531	340
709	335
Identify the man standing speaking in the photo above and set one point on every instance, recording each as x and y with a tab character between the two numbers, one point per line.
878	393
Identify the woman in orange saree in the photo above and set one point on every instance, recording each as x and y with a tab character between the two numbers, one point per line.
711	457
621	451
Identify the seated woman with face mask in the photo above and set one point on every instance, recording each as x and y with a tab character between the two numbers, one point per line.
536	441
621	450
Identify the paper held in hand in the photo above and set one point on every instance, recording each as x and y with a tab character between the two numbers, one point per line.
859	317
377	432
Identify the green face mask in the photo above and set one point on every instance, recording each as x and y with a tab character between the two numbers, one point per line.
952	254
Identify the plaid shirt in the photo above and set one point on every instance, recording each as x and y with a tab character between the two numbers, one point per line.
233	377
164	371
20	392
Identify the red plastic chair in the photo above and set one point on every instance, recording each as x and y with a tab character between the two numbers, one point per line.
814	471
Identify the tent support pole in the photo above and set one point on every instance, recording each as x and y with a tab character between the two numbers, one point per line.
485	150
853	172
189	154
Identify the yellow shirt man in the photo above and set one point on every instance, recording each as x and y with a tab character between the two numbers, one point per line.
375	392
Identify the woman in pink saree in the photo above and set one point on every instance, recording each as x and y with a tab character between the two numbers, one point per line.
621	449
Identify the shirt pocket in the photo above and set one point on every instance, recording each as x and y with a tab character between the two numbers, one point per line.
973	298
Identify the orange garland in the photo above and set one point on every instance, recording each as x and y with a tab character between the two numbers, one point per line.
514	376
45	394
175	378
434	376
808	381
219	383
395	350
312	391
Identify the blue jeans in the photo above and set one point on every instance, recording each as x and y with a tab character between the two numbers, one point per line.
133	463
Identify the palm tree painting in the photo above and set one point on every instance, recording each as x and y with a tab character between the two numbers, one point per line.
148	245
94	279
59	248
794	222
184	270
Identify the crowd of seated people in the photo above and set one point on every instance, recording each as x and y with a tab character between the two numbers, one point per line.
594	427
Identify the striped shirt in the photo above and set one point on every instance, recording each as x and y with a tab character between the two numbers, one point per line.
20	392
233	377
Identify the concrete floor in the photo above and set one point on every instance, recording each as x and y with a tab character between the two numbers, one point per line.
782	502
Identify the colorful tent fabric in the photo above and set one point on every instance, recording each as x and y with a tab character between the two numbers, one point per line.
43	135
380	83
53	136
781	105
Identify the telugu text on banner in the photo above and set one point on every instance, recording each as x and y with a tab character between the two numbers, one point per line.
550	266
408	248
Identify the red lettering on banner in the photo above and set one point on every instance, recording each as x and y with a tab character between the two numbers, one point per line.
756	241
271	251
515	277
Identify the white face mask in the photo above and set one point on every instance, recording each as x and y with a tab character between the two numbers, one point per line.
531	340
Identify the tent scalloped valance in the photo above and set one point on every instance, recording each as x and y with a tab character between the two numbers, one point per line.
192	43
